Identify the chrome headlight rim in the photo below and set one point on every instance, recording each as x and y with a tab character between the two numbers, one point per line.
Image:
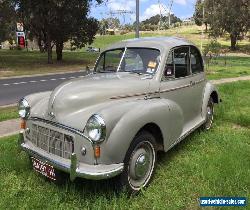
23	108
96	124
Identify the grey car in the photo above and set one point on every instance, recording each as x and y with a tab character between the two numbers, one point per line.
144	96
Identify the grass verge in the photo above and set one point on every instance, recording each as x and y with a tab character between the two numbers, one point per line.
8	113
228	66
16	63
213	163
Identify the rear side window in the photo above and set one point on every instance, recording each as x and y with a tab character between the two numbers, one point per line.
181	62
195	61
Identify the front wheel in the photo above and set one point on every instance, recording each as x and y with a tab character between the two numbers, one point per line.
209	115
139	163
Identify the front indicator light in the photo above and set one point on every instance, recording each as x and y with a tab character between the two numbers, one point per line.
23	124
97	151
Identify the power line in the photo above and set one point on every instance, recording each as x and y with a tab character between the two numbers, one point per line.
167	10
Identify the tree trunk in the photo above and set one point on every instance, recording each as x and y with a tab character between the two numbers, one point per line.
49	50
206	27
59	48
233	41
41	49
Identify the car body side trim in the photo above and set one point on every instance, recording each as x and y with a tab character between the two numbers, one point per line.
199	81
176	88
133	95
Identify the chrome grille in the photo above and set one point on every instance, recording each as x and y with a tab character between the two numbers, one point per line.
52	141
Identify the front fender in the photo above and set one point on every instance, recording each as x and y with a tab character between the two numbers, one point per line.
164	113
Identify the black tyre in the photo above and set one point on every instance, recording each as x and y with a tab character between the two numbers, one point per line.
209	115
139	163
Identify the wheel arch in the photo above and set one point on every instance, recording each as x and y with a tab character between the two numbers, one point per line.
214	95
210	91
155	130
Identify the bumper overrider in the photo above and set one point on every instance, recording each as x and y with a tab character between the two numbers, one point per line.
73	166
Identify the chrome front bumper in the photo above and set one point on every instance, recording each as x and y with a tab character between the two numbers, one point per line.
72	166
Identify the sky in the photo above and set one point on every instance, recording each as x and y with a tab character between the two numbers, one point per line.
148	8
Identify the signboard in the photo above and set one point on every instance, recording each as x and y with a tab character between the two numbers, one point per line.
20	39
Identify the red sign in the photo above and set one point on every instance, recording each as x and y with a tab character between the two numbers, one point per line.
21	41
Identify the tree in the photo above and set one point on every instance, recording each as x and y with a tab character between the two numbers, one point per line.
198	14
7	20
57	21
229	16
103	26
153	22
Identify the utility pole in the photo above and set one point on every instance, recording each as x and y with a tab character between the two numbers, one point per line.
121	12
137	35
169	12
203	14
159	24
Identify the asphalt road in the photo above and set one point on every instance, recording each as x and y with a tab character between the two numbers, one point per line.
11	90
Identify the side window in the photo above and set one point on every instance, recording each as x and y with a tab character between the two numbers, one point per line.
169	67
195	61
181	62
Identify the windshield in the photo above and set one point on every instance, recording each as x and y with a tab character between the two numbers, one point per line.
134	60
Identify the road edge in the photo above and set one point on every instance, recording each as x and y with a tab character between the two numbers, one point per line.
40	75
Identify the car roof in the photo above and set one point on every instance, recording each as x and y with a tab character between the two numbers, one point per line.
161	43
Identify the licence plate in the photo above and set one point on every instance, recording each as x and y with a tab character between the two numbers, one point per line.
44	168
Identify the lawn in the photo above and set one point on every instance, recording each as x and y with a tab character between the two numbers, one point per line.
15	63
7	113
228	66
213	163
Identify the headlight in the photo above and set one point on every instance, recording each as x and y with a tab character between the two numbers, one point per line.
96	128
23	108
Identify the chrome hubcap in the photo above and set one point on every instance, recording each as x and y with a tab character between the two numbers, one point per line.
209	116
141	165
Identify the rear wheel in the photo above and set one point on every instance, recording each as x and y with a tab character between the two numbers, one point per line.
139	163
209	115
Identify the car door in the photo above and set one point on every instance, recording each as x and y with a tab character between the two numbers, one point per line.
198	80
177	82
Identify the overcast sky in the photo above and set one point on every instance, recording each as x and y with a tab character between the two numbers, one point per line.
181	8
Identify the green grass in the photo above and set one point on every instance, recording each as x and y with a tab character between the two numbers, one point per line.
8	113
191	33
213	163
14	63
229	66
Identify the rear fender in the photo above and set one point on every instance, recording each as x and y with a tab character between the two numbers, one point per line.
209	91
